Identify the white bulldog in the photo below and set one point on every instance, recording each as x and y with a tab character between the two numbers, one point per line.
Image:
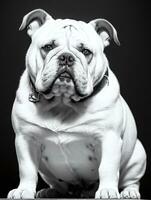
71	123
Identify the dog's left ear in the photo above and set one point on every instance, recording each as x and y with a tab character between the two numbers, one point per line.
33	20
106	30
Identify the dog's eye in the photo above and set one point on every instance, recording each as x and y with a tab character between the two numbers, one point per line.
49	47
86	52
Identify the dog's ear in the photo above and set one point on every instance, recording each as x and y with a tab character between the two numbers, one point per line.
106	30
33	20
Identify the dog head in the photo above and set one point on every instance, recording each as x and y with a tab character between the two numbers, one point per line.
66	57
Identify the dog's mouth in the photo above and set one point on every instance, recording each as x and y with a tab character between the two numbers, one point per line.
67	84
64	77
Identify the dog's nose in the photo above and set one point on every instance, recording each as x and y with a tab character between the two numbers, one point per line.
66	59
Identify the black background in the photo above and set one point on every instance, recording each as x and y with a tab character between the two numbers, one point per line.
130	63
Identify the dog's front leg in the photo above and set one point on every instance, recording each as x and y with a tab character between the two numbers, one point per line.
28	158
109	166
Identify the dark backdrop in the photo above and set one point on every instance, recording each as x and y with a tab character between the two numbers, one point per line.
130	62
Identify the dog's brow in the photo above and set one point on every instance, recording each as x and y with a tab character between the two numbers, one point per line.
69	26
82	46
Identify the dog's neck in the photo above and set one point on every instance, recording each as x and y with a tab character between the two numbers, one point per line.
35	96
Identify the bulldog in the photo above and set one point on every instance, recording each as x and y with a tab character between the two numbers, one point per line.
72	125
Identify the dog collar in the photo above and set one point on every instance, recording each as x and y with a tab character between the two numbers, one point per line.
105	79
98	87
34	96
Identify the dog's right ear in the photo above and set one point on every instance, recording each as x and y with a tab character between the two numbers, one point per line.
33	20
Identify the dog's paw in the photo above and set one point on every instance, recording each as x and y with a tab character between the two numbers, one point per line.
107	193
130	193
20	193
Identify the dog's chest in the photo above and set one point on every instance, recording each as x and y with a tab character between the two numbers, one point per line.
71	156
70	148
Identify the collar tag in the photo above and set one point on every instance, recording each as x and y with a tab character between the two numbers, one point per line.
34	97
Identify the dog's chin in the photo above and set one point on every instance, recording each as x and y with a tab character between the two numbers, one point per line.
63	86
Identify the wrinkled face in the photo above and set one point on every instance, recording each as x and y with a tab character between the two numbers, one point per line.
66	59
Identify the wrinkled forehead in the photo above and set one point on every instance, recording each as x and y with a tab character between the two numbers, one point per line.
61	30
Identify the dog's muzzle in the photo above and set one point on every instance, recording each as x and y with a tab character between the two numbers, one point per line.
64	75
